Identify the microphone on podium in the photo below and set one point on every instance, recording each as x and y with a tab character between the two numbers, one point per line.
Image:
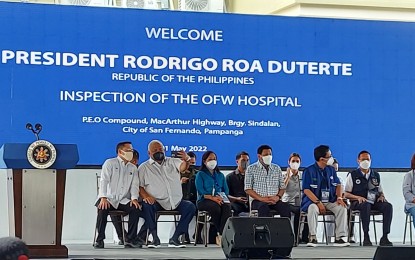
38	128
29	126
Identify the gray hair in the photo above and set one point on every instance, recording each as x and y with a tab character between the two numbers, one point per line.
154	142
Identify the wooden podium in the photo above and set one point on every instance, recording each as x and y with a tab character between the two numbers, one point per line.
36	198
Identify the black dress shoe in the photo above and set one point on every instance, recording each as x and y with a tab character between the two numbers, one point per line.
99	244
187	239
121	242
384	241
367	242
134	244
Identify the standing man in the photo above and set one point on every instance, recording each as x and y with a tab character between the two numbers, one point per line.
160	188
118	190
364	190
264	184
323	191
236	185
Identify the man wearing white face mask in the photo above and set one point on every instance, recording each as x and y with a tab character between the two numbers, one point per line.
323	191
364	190
264	184
118	189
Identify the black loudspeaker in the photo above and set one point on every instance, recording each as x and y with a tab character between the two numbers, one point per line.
395	253
250	238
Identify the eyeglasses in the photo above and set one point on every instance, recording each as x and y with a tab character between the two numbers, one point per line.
297	161
128	150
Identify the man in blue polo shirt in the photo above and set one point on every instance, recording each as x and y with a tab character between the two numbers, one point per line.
323	191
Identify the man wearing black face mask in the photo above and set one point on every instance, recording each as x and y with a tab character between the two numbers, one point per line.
236	184
160	188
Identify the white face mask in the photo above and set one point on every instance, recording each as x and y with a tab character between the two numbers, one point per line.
330	161
127	155
295	165
211	165
365	164
267	159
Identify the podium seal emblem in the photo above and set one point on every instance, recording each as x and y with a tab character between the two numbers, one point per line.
41	154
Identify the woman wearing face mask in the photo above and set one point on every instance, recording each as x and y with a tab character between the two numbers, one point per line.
408	189
212	193
292	195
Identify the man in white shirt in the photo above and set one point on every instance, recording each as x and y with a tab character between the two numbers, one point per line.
160	188
364	190
119	190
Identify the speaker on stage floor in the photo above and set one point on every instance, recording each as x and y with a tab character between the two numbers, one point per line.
395	253
251	238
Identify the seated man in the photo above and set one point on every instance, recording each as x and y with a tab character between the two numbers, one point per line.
116	220
265	185
323	191
160	188
365	192
236	185
118	190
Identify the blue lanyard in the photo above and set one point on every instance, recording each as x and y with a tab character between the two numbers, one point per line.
215	181
326	179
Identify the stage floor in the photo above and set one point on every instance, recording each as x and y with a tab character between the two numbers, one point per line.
111	251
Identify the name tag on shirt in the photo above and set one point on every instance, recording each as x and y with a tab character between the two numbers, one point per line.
325	195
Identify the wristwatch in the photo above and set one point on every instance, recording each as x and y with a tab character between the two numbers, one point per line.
317	201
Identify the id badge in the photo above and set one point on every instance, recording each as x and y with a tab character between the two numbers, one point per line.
371	197
325	195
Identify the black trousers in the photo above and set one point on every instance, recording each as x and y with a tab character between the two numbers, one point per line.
384	207
116	221
239	207
218	213
264	209
133	217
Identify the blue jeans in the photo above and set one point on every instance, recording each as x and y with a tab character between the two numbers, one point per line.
186	208
412	211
